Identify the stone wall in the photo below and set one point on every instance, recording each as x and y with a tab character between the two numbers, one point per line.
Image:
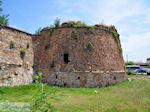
15	69
103	57
83	79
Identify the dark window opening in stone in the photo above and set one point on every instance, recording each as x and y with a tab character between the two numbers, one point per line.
56	76
65	84
114	78
78	77
66	58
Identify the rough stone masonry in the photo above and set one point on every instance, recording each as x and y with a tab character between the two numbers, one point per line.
67	56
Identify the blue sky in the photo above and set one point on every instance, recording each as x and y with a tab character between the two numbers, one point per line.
131	18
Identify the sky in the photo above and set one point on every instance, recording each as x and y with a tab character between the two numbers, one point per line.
130	17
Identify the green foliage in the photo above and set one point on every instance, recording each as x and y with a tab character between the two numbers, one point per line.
47	46
129	72
11	45
39	100
132	95
57	22
130	63
91	30
116	36
52	65
74	35
89	46
3	18
77	24
22	53
52	26
28	45
37	32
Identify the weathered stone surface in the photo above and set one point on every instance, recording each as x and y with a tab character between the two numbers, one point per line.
83	79
96	66
13	69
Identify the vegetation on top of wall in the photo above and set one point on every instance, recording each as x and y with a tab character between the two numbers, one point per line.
91	30
57	22
22	53
37	32
77	24
89	46
47	46
52	65
116	36
11	45
28	45
74	35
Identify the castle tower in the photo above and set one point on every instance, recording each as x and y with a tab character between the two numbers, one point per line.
79	56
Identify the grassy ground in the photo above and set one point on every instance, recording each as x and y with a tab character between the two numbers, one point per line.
128	96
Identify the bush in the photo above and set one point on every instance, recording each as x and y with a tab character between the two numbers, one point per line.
52	65
28	45
22	53
74	35
47	46
89	46
91	30
37	32
130	63
11	44
57	22
148	73
129	72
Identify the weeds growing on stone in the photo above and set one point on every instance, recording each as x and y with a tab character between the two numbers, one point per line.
52	65
74	35
22	53
47	46
89	46
28	45
11	45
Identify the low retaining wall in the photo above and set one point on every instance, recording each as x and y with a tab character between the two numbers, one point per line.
83	79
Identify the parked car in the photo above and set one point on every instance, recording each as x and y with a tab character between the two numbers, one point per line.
141	71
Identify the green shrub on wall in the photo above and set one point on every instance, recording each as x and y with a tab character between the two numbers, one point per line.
74	35
47	46
28	45
11	44
52	65
89	46
22	53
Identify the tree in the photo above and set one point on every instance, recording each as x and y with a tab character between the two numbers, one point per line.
3	18
130	63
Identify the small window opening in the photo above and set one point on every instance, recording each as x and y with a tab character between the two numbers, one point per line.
65	84
56	76
114	78
66	58
78	77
